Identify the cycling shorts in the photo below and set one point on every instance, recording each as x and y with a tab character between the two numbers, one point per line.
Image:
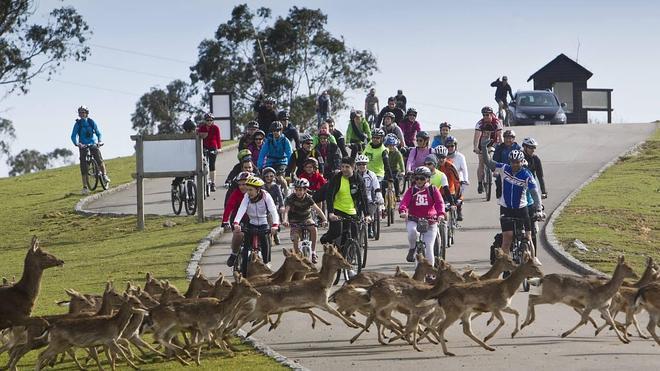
520	213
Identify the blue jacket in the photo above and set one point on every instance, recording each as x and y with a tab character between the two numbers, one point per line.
274	152
83	132
437	141
501	153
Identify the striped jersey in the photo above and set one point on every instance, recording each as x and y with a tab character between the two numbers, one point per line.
514	186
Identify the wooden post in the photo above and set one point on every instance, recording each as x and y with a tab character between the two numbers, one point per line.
609	107
139	180
201	187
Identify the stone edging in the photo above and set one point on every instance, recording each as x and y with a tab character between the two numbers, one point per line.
80	206
269	352
554	246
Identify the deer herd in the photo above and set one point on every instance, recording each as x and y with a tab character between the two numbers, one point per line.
402	308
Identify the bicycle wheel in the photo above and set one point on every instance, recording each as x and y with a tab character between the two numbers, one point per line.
191	197
376	225
177	201
92	175
354	256
525	247
420	248
451	227
489	183
364	243
441	241
101	180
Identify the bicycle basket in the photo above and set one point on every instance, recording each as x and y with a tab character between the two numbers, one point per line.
422	225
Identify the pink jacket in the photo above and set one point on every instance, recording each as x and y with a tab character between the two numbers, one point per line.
416	158
421	204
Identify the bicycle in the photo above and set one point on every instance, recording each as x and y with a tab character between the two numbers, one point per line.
305	243
94	174
488	176
252	246
441	240
452	224
351	248
504	114
206	180
371	119
519	244
375	216
184	194
420	246
390	202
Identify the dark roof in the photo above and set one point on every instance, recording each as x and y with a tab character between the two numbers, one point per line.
562	59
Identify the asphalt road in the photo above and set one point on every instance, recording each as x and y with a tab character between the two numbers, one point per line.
570	154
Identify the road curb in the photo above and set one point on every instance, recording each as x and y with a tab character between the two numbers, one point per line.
553	244
269	352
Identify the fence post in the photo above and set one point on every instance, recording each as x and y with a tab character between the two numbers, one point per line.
201	186
139	180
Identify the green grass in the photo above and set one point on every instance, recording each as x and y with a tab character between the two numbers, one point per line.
96	249
617	213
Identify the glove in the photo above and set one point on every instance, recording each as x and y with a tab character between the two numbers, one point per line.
379	199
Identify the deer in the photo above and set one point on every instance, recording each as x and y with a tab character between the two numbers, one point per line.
648	297
199	286
17	301
153	286
581	294
257	267
494	295
221	287
79	303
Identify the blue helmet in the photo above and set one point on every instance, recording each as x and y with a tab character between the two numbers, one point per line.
391	140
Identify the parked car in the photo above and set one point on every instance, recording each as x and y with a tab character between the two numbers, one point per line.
536	107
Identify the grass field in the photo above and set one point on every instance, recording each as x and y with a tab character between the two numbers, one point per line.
96	249
617	213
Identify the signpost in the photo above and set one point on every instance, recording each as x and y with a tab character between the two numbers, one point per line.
221	109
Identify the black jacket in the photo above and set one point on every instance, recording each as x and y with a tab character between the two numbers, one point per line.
265	117
535	167
341	141
398	115
330	163
358	193
500	92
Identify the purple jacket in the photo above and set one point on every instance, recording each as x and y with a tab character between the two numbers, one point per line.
409	129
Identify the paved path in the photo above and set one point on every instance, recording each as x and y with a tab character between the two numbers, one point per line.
571	154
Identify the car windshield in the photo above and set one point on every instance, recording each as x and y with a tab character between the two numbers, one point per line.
536	99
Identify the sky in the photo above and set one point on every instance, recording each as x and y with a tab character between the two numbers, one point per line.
442	54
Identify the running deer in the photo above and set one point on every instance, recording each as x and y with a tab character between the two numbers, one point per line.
648	297
79	303
221	287
293	264
580	293
17	301
153	286
460	300
257	267
199	286
91	332
503	263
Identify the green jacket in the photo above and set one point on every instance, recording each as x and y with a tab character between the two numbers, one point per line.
396	161
352	137
315	140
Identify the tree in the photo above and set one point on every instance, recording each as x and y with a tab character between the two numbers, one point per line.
293	60
163	109
30	160
9	134
27	50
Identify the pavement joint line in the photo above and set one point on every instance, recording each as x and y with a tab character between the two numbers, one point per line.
552	242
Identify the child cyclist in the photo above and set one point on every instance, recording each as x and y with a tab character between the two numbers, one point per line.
298	215
270	186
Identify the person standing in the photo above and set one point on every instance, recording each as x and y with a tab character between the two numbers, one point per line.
401	100
212	144
82	137
323	107
371	106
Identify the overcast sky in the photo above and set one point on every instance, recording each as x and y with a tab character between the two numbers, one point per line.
442	54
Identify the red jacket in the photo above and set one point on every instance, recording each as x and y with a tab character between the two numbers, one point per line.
213	139
316	180
233	202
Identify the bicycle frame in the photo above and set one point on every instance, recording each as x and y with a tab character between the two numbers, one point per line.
251	246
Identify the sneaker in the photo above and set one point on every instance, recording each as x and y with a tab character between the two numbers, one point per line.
459	215
231	260
106	178
411	256
84	191
276	239
351	274
480	188
212	187
315	258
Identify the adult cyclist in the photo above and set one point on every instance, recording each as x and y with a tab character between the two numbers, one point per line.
276	153
82	137
422	201
453	178
502	88
212	144
516	183
390	127
417	155
501	154
371	107
489	127
290	131
439	140
391	107
358	132
458	160
410	127
372	187
534	163
378	155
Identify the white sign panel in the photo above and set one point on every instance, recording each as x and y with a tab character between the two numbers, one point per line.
220	104
169	155
225	128
594	99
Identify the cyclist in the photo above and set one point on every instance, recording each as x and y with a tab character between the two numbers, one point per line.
336	135
212	145
516	182
257	142
417	155
458	160
266	112
534	163
410	127
455	195
501	154
232	202
358	132
438	178
250	128
290	131
82	136
298	215
188	127
502	88
371	105
421	200
397	165
268	176
276	153
323	107
401	100
243	154
378	155
299	156
488	127
392	108
325	126
439	140
346	198
313	176
389	127
328	155
372	187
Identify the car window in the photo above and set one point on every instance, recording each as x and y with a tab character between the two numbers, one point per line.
536	99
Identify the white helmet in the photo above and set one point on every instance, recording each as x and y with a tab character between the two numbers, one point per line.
440	151
361	159
529	141
516	155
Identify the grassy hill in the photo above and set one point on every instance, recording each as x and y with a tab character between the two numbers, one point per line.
96	249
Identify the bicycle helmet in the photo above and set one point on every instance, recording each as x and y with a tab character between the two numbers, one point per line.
269	100
509	133
486	110
83	109
361	159
440	151
391	140
411	111
301	183
259	133
243	175
276	126
306	138
254	181
530	142
243	154
189	125
208	116
516	155
450	140
267	170
324	133
252	125
283	115
423	171
445	125
422	134
390	115
355	113
432	159
312	161
377	132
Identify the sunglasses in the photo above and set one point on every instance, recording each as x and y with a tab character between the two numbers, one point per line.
485	114
429	164
421	140
450	146
260	138
301	189
420	178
